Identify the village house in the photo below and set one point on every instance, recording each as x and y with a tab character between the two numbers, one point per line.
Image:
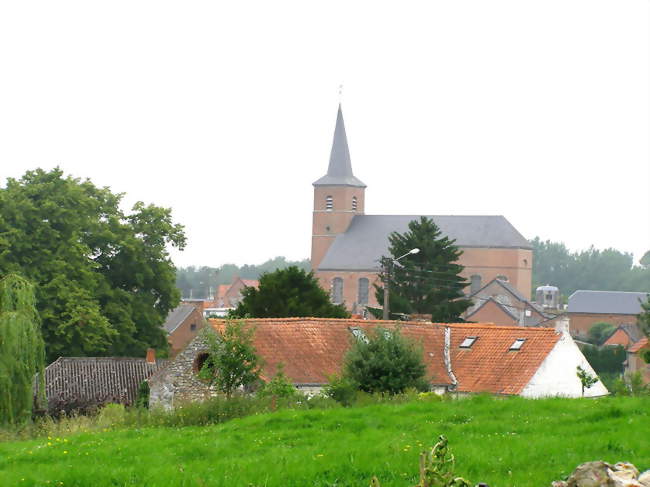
500	303
587	308
625	335
182	325
460	358
88	382
229	295
347	244
635	362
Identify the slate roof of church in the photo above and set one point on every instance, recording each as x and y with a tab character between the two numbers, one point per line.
366	240
312	349
606	302
339	171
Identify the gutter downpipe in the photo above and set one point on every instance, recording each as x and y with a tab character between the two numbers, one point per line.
447	359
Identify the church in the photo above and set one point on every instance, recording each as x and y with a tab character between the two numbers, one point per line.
347	244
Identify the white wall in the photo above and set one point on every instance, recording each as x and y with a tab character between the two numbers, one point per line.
557	374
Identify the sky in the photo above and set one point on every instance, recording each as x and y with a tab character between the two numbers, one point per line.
224	112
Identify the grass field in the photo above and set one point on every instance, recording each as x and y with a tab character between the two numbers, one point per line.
504	442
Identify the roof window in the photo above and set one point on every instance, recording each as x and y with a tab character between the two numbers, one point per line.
358	333
519	342
468	342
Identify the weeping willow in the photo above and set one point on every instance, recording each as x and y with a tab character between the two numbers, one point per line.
22	351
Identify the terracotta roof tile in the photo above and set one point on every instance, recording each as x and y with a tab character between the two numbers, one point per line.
312	349
639	345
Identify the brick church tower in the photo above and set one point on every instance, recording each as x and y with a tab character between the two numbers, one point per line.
338	196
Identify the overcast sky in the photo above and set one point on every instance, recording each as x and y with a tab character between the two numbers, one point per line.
225	111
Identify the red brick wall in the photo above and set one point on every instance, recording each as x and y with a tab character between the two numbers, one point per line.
581	322
182	335
492	313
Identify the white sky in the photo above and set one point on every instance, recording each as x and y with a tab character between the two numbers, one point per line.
225	112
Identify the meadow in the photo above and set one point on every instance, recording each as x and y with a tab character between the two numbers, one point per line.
500	441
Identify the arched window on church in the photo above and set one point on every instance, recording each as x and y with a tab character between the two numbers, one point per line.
354	203
363	291
474	283
337	290
329	203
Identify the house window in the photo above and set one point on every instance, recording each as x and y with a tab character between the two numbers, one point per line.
358	333
474	283
519	342
354	203
337	290
193	327
329	203
468	342
363	291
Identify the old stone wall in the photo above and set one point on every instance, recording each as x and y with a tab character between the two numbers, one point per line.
178	382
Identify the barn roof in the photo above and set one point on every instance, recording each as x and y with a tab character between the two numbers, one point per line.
312	349
609	302
97	380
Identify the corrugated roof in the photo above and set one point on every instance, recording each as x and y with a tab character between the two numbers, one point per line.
339	172
312	349
366	240
177	316
605	302
96	380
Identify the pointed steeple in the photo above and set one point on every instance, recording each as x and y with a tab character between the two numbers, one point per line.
339	172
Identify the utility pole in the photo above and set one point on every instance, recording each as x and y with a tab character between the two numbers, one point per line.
387	264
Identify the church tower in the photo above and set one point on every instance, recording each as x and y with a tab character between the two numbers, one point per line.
338	196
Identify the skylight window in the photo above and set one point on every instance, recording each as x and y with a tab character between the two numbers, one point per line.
358	333
468	342
519	342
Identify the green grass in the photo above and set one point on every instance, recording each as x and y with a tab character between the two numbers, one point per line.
504	442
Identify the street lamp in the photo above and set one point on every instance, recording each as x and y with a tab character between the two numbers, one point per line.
387	263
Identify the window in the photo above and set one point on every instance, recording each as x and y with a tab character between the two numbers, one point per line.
468	342
358	333
354	203
363	291
193	327
475	283
329	203
518	344
199	361
337	290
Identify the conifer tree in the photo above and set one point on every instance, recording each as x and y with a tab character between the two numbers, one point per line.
428	282
22	352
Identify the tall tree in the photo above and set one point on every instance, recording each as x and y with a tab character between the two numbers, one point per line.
105	282
22	352
287	292
428	282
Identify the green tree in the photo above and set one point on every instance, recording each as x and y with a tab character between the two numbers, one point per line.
285	293
586	379
22	352
104	279
385	362
232	361
428	282
280	386
601	331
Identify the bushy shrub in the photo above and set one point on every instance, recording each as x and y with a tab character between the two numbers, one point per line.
111	415
279	386
341	389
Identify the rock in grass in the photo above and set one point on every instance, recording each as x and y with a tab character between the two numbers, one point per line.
591	474
644	478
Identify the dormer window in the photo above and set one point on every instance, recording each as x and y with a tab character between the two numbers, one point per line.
468	342
354	203
519	342
329	203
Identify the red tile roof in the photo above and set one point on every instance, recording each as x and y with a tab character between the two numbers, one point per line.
638	345
251	283
312	349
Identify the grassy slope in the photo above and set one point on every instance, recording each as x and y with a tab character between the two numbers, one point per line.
512	442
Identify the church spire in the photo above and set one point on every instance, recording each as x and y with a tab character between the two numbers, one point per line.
339	172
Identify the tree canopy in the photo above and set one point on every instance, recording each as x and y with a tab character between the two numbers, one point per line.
22	352
104	279
385	361
604	270
285	293
428	282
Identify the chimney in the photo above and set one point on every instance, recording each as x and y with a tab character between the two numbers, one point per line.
151	355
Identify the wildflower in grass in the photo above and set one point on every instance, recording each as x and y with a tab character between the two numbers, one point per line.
65	452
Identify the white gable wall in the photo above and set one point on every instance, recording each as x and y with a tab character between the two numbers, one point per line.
557	374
